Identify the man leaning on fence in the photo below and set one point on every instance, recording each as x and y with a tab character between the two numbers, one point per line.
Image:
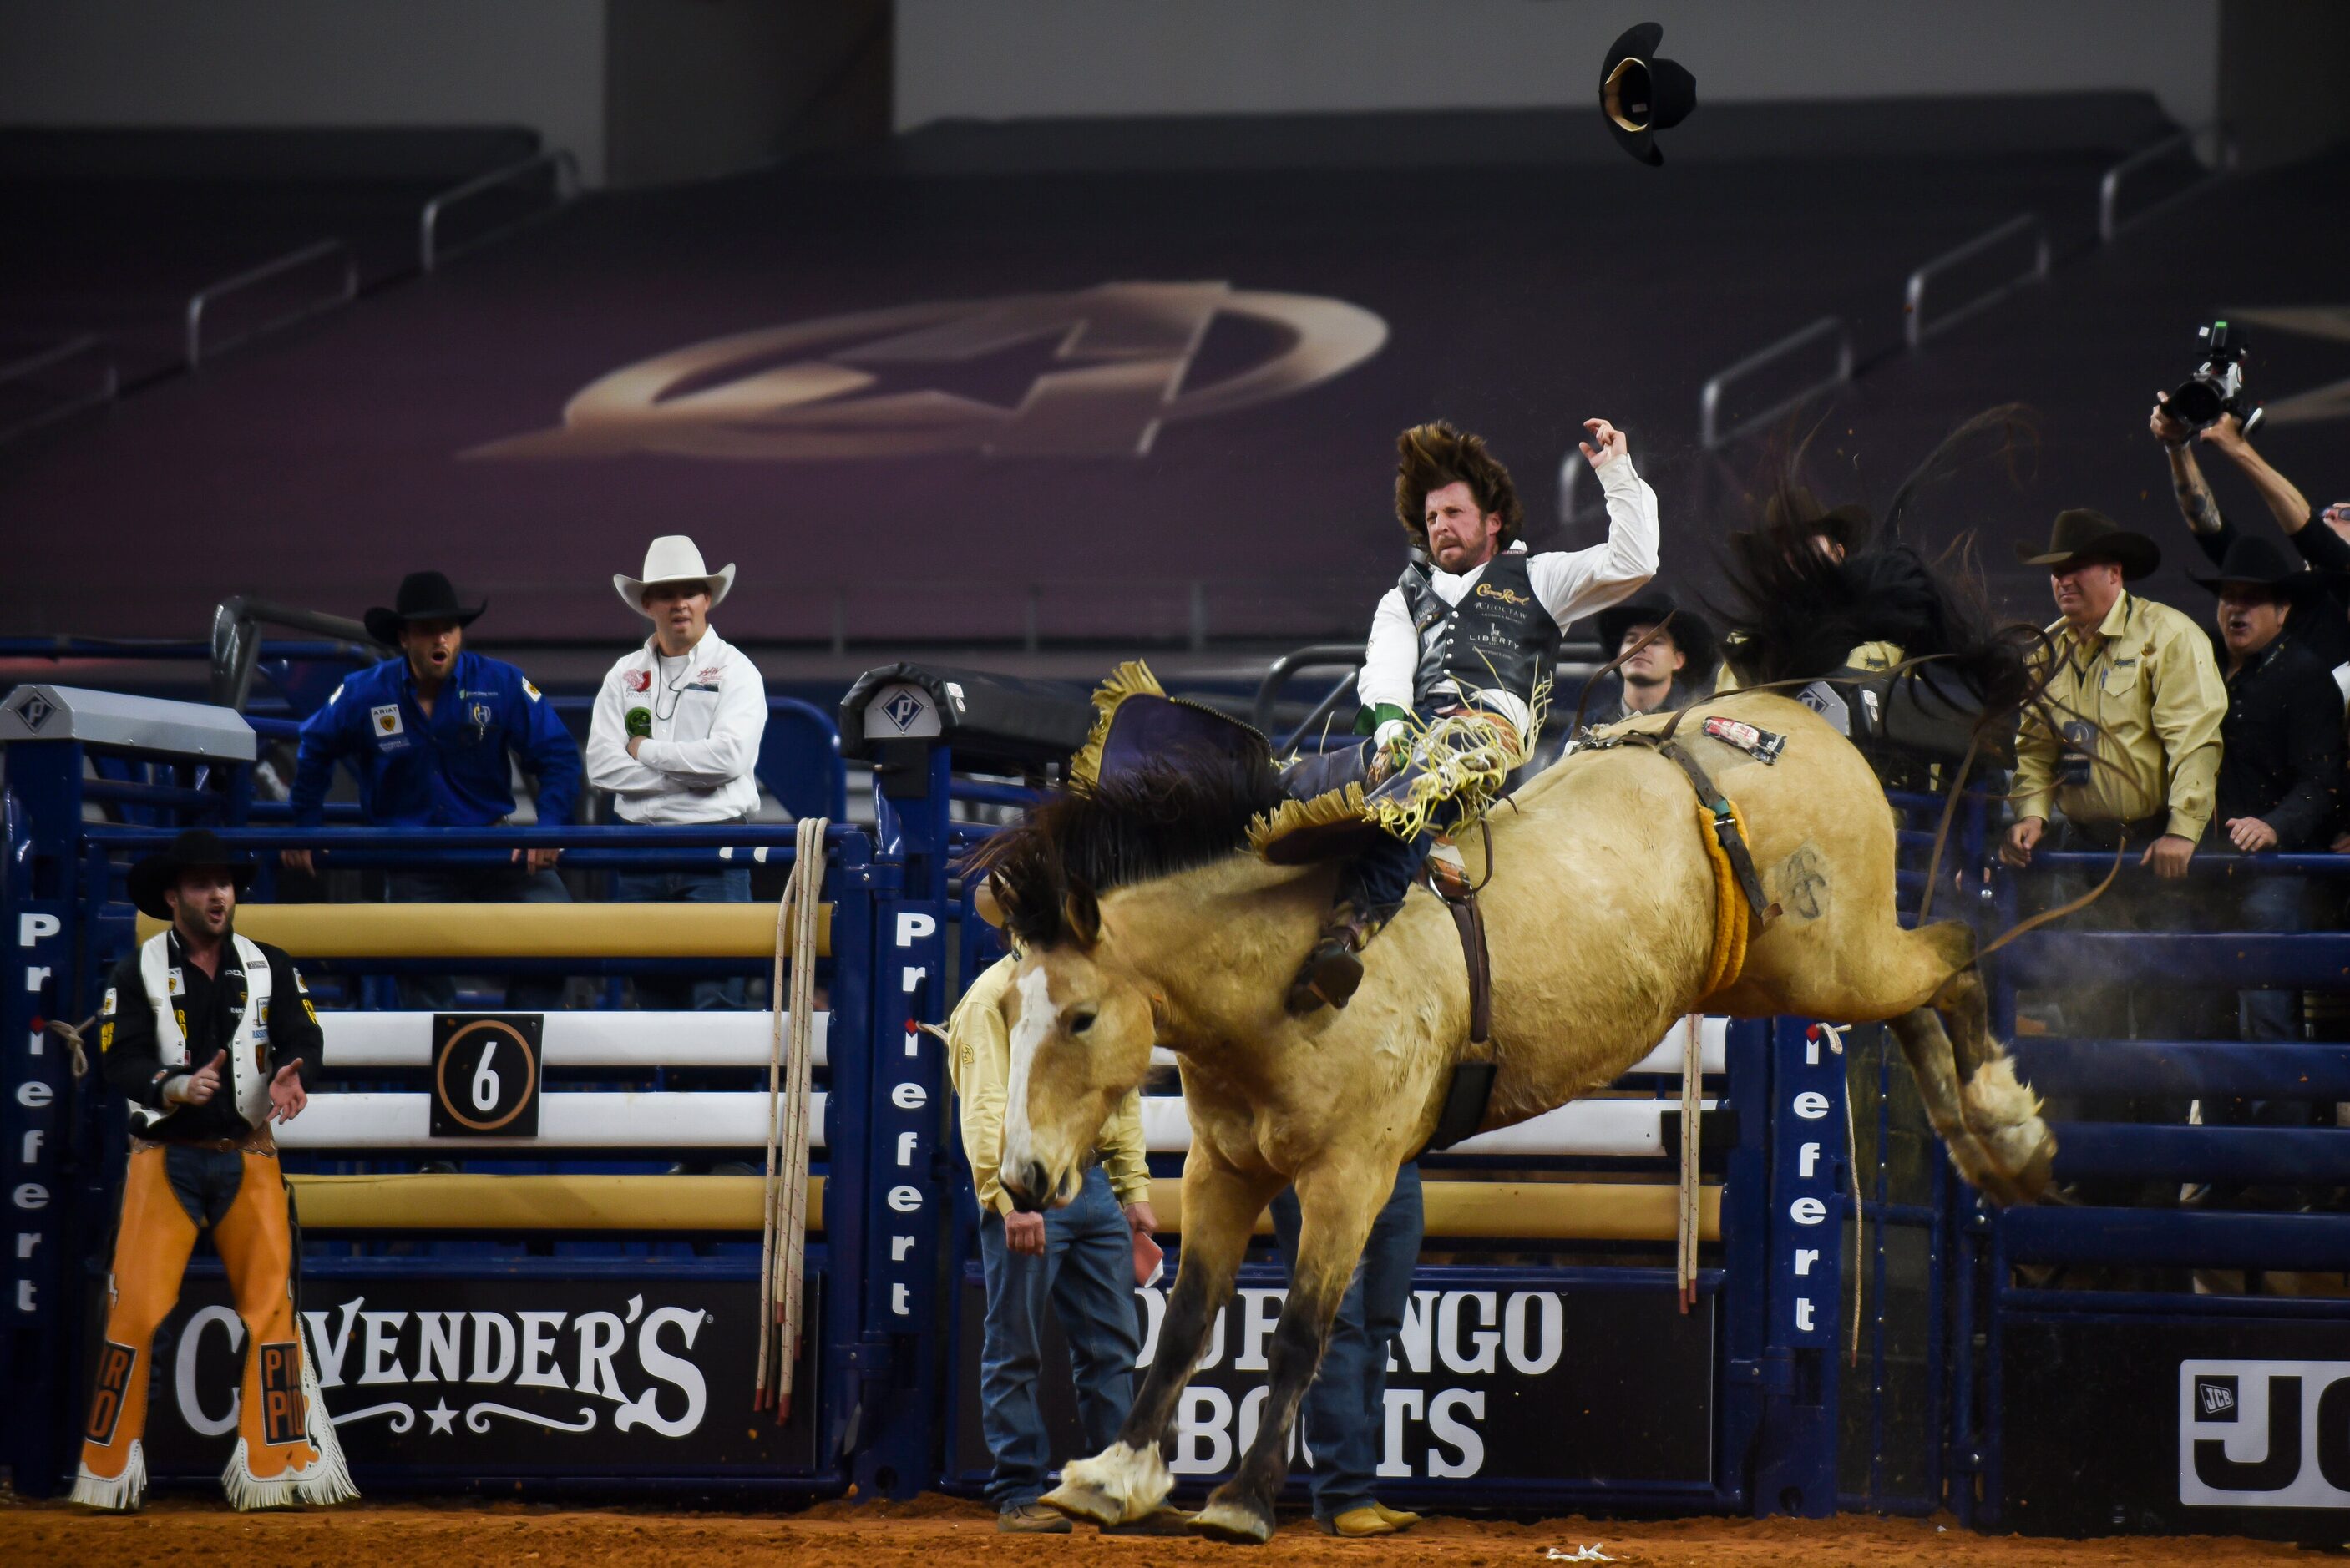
429	733
1080	1259
674	738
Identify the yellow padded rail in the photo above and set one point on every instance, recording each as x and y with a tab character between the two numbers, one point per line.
516	930
429	1201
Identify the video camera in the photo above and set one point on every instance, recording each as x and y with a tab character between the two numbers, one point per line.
2217	388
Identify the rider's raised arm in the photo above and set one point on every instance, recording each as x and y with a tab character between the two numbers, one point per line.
1575	583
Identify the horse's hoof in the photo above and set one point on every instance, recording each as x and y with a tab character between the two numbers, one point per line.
1235	1522
1086	1502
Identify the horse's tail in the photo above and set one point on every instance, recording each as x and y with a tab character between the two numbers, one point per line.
1795	613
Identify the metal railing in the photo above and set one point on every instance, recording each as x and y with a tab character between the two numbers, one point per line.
109	381
1346	656
236	641
2109	187
1914	325
564	184
1830	328
204	299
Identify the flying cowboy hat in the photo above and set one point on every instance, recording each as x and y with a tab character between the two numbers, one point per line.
423	596
673	559
1688	632
2252	559
2080	533
1640	95
196	850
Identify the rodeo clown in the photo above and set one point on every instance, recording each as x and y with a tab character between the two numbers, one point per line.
208	1034
1458	663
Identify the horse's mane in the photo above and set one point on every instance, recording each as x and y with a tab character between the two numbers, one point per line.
1167	816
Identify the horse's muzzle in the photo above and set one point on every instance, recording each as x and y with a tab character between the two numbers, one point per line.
1025	1185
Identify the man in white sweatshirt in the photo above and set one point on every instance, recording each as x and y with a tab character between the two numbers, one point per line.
675	737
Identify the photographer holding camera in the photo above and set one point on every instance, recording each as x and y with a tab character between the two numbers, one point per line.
2212	408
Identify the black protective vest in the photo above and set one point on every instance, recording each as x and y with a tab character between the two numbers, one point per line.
1499	635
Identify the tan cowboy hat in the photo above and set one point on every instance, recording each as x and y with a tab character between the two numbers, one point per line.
673	559
2081	532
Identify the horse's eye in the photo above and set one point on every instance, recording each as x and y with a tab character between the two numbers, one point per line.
1080	1023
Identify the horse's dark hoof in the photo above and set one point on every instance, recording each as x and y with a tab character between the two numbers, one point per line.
1330	976
1230	1519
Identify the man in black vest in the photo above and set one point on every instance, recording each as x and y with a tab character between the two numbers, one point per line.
1473	625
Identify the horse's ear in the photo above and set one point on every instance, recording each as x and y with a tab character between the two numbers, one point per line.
1081	915
988	903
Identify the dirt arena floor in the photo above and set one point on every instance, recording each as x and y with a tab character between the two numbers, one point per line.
937	1533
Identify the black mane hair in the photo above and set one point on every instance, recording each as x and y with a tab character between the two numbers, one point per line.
1156	820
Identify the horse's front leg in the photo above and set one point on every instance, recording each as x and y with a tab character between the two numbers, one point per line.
1337	1205
1130	1478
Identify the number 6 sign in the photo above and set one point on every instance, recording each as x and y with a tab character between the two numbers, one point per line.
485	1075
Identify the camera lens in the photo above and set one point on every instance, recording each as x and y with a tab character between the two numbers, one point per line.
2196	402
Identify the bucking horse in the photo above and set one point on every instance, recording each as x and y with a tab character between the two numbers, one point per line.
1141	915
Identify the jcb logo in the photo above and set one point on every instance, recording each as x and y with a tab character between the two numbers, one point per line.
2264	1434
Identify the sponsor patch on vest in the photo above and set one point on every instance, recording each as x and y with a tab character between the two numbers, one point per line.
106	1008
281	1394
1507	595
115	1363
387	718
174	982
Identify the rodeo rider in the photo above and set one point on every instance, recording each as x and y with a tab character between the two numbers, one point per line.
209	1034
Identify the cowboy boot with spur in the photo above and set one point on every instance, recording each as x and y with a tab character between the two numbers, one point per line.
1333	966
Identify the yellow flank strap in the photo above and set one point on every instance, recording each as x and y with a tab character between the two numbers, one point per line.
1732	919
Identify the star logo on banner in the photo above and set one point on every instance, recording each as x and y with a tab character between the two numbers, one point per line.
441	1416
2328	323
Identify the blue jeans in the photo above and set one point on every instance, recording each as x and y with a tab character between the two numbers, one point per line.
1346	1410
487	885
729	887
2284	905
1087	1275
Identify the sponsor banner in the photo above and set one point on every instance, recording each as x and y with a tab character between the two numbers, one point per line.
2223	1425
1494	1377
490	1378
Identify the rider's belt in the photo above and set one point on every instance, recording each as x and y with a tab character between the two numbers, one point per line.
260	1140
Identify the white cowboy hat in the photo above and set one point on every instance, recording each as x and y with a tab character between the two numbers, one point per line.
673	559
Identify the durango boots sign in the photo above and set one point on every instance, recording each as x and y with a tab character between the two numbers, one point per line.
494	1379
1496	1377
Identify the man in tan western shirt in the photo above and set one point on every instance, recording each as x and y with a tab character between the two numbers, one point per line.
2127	741
1079	1258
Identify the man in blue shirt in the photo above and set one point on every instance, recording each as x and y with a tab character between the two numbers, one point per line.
427	735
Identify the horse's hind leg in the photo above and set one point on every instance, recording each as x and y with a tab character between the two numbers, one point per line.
1935	1066
2000	1109
1130	1478
1336	1207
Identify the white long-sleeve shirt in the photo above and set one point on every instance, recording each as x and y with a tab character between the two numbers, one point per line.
707	711
1569	583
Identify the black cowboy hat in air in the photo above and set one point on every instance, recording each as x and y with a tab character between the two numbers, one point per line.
1688	632
2252	559
1640	95
423	596
2079	531
151	876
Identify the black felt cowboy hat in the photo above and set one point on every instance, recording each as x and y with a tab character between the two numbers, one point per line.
199	848
2252	559
1797	508
2080	533
423	596
1688	632
1640	95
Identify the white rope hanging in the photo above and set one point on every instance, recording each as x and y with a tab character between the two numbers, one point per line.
1834	1034
783	1240
1689	1212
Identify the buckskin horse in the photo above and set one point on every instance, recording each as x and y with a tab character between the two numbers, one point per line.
1141	917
